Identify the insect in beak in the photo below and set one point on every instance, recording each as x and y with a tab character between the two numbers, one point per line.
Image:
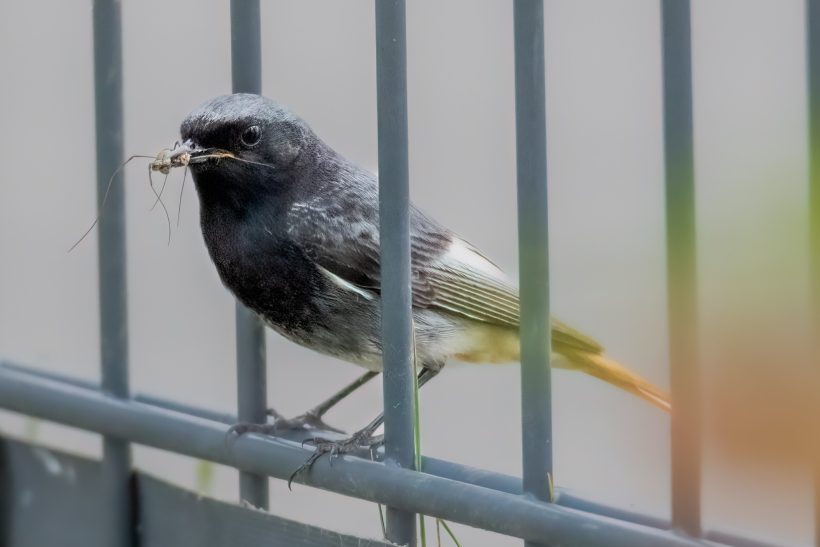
205	154
183	154
192	153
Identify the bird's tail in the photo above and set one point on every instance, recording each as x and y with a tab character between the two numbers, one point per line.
571	350
618	375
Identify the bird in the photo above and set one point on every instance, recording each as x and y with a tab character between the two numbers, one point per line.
292	227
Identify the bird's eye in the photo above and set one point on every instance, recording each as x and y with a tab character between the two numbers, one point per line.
251	136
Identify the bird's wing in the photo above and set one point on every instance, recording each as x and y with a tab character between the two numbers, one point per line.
448	273
467	283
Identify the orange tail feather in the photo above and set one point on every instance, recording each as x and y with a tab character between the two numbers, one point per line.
619	376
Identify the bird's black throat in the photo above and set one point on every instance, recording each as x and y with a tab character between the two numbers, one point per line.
243	225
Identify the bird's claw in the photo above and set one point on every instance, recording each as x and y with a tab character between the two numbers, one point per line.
305	466
247	427
306	421
237	430
360	439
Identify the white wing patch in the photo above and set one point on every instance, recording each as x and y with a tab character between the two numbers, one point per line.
346	285
463	252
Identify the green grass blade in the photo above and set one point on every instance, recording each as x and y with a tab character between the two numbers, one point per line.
204	477
417	432
449	532
381	519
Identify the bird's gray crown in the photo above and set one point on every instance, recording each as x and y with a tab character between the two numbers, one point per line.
238	107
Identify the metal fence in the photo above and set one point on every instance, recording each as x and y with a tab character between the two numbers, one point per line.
527	508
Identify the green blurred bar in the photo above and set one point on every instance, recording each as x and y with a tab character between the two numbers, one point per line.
680	243
813	80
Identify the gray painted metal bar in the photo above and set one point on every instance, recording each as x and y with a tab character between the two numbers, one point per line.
407	490
116	468
246	72
813	79
431	466
394	226
533	244
680	243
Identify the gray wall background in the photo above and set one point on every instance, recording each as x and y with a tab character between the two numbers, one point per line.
606	176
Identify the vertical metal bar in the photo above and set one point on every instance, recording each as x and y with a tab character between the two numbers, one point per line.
116	467
680	243
813	80
533	245
397	316
246	71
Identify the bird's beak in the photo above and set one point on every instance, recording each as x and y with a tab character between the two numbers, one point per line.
199	154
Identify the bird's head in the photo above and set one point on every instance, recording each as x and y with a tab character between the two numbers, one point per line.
243	144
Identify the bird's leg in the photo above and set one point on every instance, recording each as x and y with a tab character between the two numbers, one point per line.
320	409
312	419
363	438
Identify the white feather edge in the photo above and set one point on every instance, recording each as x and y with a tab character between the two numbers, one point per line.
462	252
346	285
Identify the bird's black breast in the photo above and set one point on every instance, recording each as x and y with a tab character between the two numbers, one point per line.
264	269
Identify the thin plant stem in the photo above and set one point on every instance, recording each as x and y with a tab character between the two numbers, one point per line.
449	531
417	431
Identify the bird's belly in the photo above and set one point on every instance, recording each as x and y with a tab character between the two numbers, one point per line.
352	332
338	323
485	343
357	348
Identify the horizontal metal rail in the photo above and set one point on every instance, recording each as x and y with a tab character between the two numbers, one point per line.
403	489
432	466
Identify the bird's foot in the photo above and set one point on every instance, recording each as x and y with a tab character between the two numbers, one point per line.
309	421
363	438
307	424
237	430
